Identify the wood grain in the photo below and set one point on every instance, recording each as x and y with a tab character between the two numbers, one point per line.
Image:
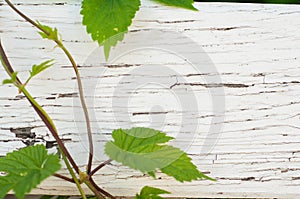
255	51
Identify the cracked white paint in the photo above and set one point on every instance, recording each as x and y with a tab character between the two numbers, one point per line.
256	51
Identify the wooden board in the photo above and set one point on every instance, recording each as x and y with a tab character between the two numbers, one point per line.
224	81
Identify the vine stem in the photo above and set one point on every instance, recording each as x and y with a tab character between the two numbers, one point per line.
94	189
75	178
45	118
79	83
99	167
50	125
64	177
91	183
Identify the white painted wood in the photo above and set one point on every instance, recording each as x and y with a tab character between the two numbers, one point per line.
255	49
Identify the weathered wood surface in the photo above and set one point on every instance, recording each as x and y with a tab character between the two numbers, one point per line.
255	49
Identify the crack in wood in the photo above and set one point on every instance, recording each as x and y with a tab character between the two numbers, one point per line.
23	132
121	65
242	179
215	85
150	113
30	138
65	95
18	97
167	22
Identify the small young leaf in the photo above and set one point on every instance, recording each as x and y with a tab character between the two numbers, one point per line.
144	149
188	4
7	81
25	169
12	80
106	18
36	69
151	193
52	33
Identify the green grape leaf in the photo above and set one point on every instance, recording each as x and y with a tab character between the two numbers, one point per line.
25	169
145	149
106	18
188	4
52	33
112	41
152	174
36	69
150	193
12	79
